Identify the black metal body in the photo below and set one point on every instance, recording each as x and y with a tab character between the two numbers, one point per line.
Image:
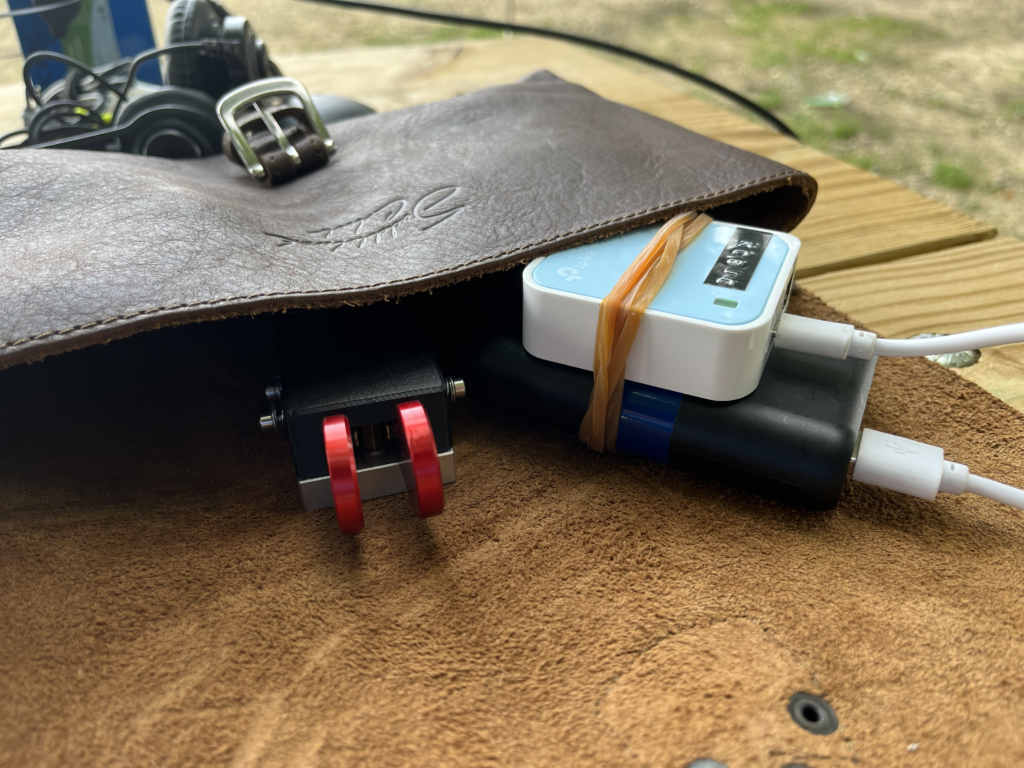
329	367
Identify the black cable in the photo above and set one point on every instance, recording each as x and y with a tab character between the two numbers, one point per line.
61	111
38	9
73	81
568	37
30	87
141	59
6	136
212	46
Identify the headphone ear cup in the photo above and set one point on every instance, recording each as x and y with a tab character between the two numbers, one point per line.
172	123
189	21
263	62
246	68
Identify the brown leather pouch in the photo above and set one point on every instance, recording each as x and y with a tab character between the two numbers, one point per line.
98	246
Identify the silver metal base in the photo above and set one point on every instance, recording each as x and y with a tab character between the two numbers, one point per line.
384	480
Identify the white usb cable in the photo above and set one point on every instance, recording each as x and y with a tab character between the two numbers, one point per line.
888	461
840	340
921	470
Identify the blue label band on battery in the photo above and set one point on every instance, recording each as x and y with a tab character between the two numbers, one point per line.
645	424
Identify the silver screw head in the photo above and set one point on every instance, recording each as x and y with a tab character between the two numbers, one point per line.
456	389
271	422
964	359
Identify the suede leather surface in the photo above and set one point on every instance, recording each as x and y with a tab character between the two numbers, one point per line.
165	600
96	246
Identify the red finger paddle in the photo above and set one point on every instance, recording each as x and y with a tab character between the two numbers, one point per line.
423	472
341	466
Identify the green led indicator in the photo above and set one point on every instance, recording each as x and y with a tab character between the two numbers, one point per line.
720	302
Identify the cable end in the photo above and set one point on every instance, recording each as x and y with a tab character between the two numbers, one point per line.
862	345
921	470
899	464
820	337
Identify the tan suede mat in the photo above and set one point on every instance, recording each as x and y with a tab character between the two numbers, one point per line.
164	600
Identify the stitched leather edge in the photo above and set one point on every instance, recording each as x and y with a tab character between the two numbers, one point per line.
369	286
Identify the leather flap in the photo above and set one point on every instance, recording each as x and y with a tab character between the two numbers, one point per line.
97	246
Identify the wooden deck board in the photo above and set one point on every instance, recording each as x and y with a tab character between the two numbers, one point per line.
960	289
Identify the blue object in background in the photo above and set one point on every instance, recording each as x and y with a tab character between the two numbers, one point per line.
95	32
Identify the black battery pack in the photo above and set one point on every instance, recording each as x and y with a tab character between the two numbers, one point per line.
793	437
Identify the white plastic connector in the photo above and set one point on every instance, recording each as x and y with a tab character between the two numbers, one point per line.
862	345
820	337
898	464
921	470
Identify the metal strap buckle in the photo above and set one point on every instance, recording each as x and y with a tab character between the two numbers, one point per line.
251	94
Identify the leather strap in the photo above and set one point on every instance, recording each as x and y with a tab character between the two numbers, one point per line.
276	162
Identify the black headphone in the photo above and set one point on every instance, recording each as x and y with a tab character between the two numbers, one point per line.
208	53
191	20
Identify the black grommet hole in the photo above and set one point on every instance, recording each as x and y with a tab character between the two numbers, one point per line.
812	713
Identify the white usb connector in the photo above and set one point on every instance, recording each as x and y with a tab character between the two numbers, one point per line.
921	470
820	337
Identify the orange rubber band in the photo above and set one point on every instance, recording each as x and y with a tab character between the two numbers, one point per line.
619	321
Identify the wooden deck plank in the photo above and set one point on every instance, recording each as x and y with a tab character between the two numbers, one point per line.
858	219
960	289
